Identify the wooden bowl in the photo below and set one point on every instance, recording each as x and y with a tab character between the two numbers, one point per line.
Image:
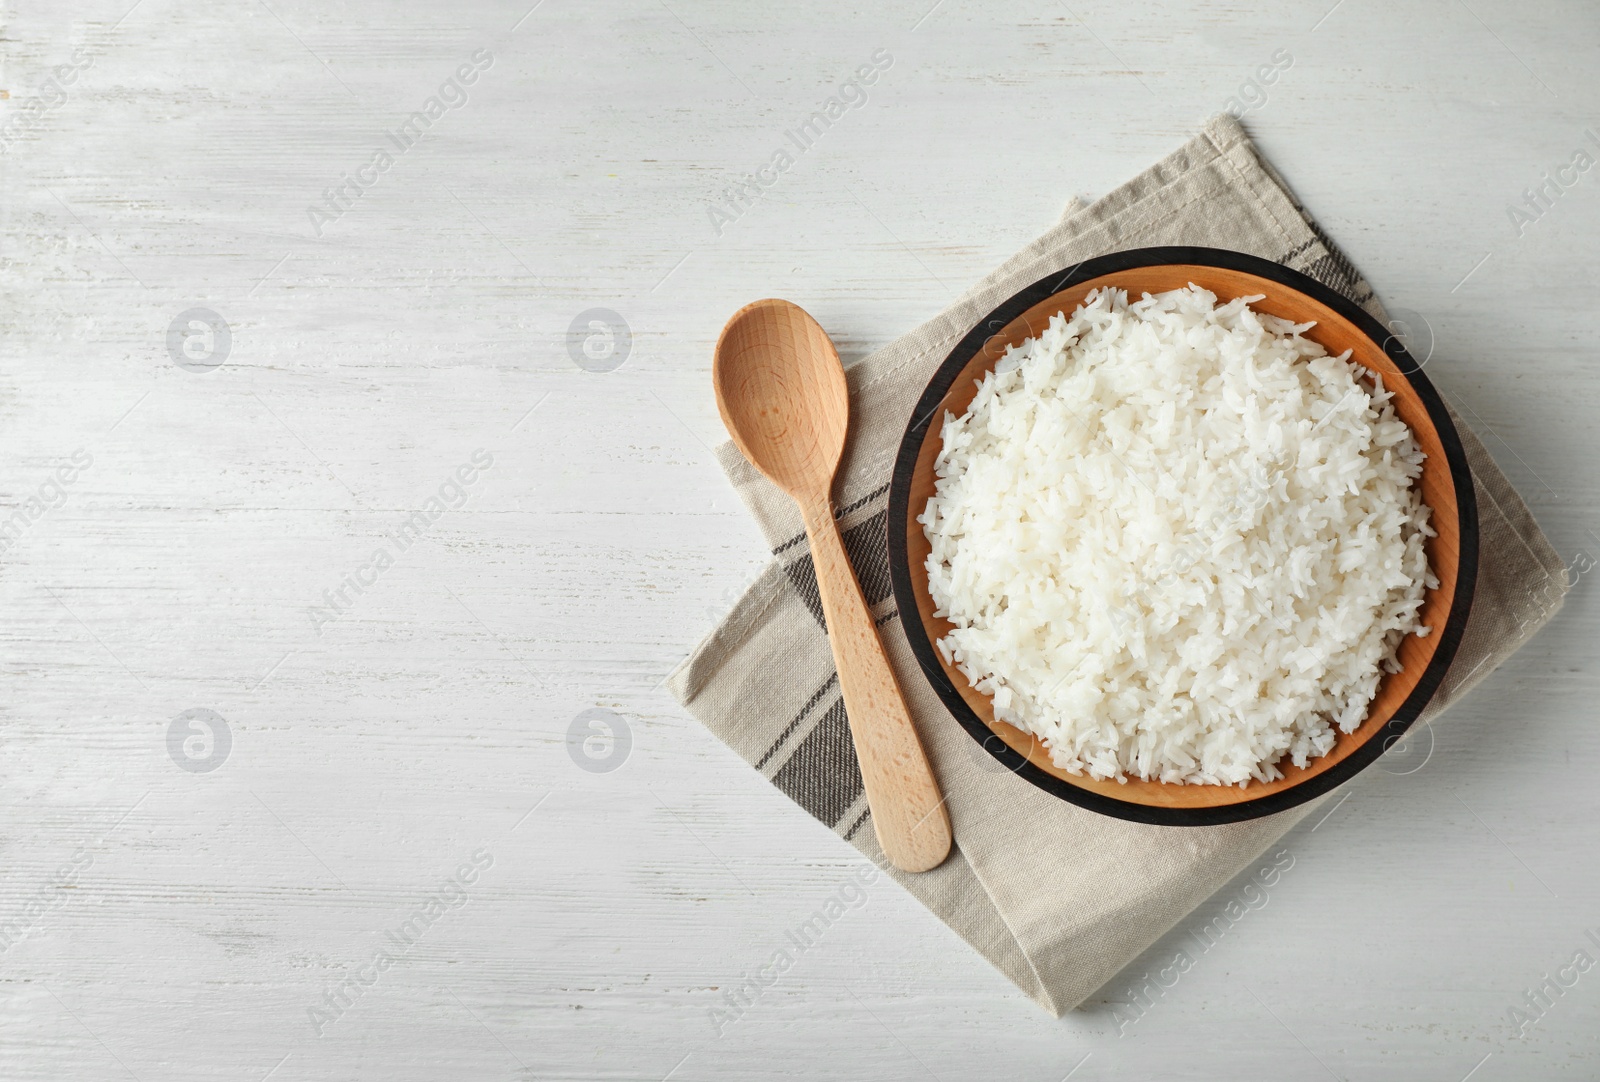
1446	488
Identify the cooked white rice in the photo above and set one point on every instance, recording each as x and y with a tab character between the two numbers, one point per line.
1177	540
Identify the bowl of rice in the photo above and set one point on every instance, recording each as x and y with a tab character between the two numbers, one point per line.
1182	536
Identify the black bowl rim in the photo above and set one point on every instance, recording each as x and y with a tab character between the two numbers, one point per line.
899	517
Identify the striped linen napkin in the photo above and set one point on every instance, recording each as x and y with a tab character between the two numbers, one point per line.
1062	907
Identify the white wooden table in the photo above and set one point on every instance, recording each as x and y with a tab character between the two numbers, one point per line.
203	896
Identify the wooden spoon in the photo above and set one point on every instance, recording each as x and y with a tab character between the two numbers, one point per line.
781	391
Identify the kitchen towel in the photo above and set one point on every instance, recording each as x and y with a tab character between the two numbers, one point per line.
1062	905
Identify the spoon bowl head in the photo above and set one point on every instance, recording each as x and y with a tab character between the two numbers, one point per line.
782	393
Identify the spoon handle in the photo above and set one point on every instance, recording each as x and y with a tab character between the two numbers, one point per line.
907	810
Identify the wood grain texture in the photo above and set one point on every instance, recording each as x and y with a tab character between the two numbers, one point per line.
369	760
